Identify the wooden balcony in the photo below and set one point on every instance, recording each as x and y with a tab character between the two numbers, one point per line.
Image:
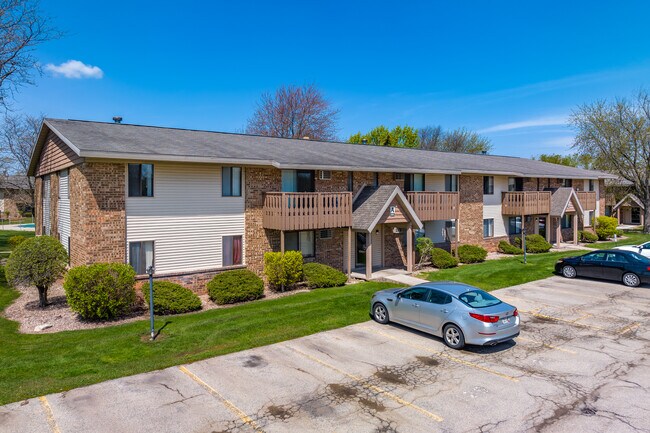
430	205
307	210
587	199
526	203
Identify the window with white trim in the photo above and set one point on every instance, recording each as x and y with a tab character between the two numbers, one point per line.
488	227
141	256
231	181
300	241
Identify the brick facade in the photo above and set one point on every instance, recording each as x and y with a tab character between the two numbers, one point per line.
97	213
394	247
330	251
38	206
470	228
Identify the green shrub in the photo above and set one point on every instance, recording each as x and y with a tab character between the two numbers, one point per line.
235	286
39	262
534	244
441	259
100	291
507	248
471	254
424	246
606	227
283	270
318	275
171	298
14	241
588	237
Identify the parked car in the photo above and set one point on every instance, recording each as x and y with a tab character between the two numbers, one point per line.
643	249
459	313
628	267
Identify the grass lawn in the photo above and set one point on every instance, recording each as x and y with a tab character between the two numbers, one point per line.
632	238
33	365
4	240
496	274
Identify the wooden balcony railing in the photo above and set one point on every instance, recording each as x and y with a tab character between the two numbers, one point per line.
526	203
307	210
587	199
430	205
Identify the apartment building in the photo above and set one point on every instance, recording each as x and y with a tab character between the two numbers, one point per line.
194	203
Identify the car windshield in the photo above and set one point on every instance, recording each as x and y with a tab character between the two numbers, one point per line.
478	299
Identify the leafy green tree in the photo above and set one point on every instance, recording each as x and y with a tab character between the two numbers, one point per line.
39	262
379	136
571	160
616	134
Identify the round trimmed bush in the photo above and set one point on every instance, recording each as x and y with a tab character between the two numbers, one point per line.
171	298
588	237
471	254
606	227
14	241
507	248
101	291
234	286
318	275
441	259
534	244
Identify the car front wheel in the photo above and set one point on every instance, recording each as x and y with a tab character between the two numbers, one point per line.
631	280
569	271
380	313
454	337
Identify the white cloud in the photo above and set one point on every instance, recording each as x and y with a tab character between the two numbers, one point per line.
529	123
564	141
75	69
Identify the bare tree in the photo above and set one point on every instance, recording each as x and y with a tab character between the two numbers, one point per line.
459	140
22	28
18	135
294	112
617	136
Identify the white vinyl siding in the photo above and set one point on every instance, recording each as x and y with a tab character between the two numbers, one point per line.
46	206
492	206
597	190
186	218
377	246
64	209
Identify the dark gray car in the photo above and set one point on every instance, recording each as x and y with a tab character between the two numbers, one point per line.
459	313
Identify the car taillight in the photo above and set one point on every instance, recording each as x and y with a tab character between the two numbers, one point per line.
486	319
516	313
648	268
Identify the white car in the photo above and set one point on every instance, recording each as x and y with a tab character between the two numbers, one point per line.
643	249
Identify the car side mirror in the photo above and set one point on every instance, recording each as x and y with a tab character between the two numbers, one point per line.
399	295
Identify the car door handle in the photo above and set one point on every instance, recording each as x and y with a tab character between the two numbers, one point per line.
444	310
416	305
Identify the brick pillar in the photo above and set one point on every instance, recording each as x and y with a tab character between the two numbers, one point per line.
258	240
470	189
54	205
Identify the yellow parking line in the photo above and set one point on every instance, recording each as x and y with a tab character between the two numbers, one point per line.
628	328
49	415
234	409
451	358
561	349
374	388
584	316
558	319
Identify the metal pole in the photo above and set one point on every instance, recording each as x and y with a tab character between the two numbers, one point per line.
150	271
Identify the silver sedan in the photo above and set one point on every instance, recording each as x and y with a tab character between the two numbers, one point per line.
459	313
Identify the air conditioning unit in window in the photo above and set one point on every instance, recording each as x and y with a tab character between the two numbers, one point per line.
325	175
398	176
326	234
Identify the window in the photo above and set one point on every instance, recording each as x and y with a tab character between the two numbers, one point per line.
566	221
514	225
450	230
298	181
398	176
488	185
436	297
140	180
414	182
488	228
515	184
326	234
325	175
594	257
141	256
350	181
451	182
478	299
568	183
590	218
231	250
608	210
300	241
375	180
616	258
416	294
592	187
231	182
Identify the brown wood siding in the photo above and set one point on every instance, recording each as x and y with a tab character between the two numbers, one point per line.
55	156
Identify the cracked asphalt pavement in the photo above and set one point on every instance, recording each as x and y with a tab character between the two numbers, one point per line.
581	365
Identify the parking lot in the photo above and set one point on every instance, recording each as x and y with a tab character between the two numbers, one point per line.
581	365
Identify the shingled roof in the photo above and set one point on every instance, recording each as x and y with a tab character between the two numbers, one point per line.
123	141
560	201
372	202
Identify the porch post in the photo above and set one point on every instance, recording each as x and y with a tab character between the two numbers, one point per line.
282	241
549	226
575	228
409	248
349	252
618	213
369	255
558	232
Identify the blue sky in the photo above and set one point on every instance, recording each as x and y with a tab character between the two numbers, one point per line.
512	70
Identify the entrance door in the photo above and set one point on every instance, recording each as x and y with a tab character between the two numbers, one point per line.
541	227
361	246
636	215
